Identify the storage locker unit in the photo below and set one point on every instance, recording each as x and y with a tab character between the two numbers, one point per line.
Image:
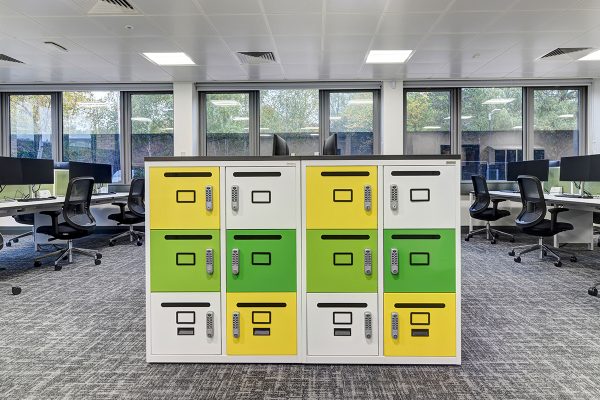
419	260
342	325
341	260
186	323
261	324
419	324
184	198
185	261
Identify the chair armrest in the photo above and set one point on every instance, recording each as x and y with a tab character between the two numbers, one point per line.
54	215
495	203
122	206
554	215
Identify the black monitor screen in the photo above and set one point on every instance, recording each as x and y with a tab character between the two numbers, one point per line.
102	173
537	168
594	175
576	168
37	172
10	171
330	146
280	146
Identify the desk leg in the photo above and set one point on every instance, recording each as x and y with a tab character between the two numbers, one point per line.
583	228
471	200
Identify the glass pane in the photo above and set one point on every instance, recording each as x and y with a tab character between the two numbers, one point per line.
227	124
151	129
31	126
351	117
91	128
491	131
293	114
427	122
555	123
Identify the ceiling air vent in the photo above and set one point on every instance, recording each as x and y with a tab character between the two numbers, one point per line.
112	7
256	57
4	57
566	53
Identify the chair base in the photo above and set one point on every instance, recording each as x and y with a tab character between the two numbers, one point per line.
491	234
544	250
15	239
67	254
14	289
132	234
593	291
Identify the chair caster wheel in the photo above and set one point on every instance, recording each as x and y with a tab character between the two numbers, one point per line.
16	290
57	267
97	261
518	259
493	241
98	256
558	264
111	243
8	244
545	253
573	259
139	243
15	240
467	239
511	253
593	291
37	264
512	240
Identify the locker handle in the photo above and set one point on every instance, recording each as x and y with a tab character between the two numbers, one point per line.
368	197
210	261
394	261
209	197
368	264
235	261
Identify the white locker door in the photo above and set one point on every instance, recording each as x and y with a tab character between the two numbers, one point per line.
261	198
420	196
342	324
185	323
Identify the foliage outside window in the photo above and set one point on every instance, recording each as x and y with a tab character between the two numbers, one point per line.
351	117
427	122
31	126
227	124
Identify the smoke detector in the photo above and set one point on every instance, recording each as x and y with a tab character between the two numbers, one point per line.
256	57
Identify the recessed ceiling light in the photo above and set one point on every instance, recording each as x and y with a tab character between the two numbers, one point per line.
225	103
498	101
566	116
593	56
432	127
388	56
361	101
169	58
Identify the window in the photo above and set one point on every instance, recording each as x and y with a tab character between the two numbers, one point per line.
351	117
151	129
556	123
427	123
91	128
228	124
31	125
293	114
491	130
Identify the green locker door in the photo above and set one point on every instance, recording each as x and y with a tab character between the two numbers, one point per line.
261	260
178	261
341	261
424	260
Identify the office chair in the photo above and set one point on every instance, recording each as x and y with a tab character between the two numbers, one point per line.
531	220
135	214
25	219
480	210
15	289
79	222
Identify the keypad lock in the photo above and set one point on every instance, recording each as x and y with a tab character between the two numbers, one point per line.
368	198
235	261
235	198
210	324
368	262
210	261
209	197
394	325
368	325
394	262
394	197
236	324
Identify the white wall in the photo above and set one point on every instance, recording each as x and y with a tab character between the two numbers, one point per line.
392	117
594	118
186	114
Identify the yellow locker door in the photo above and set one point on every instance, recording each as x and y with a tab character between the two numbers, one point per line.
343	197
184	197
419	324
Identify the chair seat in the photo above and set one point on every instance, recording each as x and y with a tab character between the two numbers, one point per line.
128	219
489	214
543	228
25	219
66	232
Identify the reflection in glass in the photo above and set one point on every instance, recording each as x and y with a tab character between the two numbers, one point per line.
427	122
351	117
227	124
31	126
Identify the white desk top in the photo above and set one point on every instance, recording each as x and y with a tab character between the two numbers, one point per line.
9	208
587	203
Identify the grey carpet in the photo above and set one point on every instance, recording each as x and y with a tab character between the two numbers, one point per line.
530	331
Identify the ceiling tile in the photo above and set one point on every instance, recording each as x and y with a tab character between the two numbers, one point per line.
538	5
116	45
233	25
201	44
46	8
170	7
298	43
463	22
347	43
355	6
344	57
395	42
191	73
226	72
350	24
265	71
481	5
292	6
399	24
582	20
213	58
22	27
297	57
184	25
141	26
73	26
404	6
431	56
293	24
523	21
445	42
250	43
301	71
230	6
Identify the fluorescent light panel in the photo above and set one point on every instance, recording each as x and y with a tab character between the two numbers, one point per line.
594	56
169	58
388	56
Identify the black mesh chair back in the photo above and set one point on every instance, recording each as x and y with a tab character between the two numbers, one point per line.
76	208
135	201
532	197
482	196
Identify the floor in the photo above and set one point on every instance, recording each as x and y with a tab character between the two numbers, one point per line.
530	331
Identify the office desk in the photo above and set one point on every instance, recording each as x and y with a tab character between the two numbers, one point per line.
580	215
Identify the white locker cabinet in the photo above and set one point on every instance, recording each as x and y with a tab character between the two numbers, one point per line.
185	323
261	197
342	324
420	197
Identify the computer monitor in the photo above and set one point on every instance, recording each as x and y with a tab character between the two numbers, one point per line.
10	171
102	173
280	146
537	168
330	146
594	175
576	168
36	171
